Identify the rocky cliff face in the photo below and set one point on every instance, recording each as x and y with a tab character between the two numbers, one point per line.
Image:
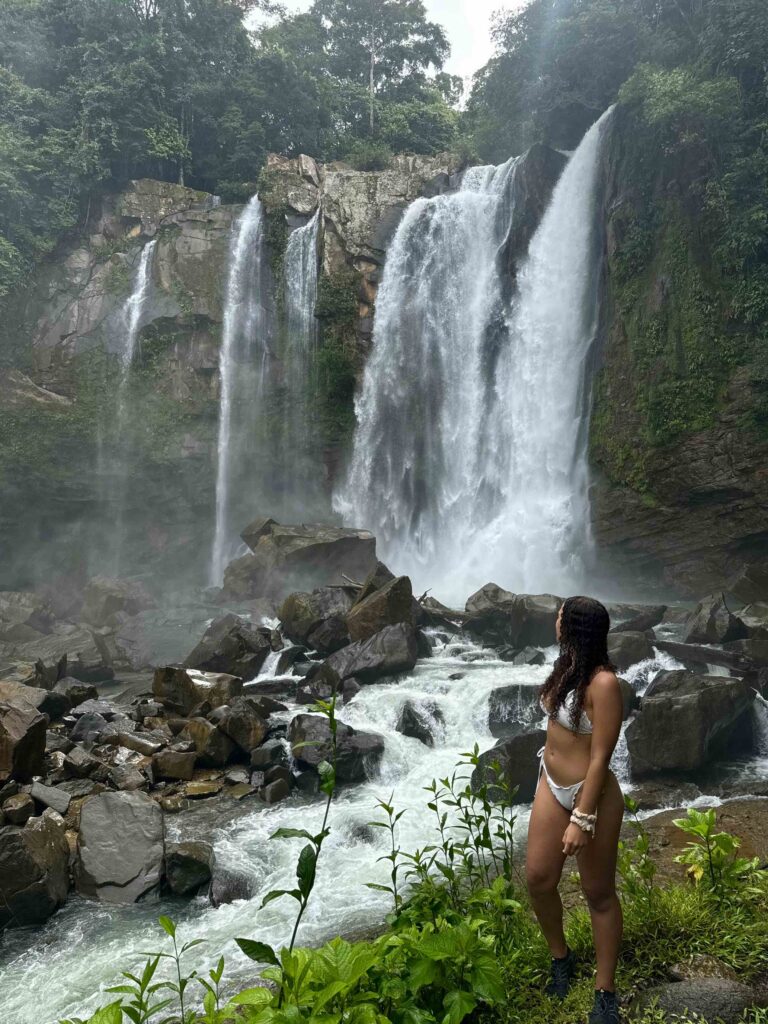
60	360
678	439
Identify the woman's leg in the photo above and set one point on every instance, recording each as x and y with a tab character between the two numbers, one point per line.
544	865
597	868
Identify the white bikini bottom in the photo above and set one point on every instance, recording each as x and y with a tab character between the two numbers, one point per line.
565	795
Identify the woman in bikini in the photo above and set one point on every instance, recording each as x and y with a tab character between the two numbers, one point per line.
579	806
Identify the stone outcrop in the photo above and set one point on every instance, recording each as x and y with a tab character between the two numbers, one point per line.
391	651
188	866
627	648
120	847
22	741
712	622
231	645
519	765
358	753
183	689
520	620
677	446
390	604
289	558
687	720
34	870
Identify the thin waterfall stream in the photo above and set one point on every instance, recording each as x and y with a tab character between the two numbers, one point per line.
243	360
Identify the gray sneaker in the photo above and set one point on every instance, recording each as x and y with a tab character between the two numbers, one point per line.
606	1008
563	969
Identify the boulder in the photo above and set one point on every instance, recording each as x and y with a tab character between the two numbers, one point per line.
79	763
91	728
289	657
183	689
421	720
710	999
500	617
358	753
188	866
512	707
629	698
47	702
754	650
275	791
18	809
628	648
288	558
25	608
51	796
34	870
231	645
174	764
75	691
271	752
391	651
243	723
331	635
104	598
711	622
518	762
388	605
638	618
228	885
686	720
528	656
303	614
120	847
755	619
214	748
22	742
260	527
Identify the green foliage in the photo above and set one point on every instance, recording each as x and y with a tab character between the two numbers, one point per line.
712	856
366	155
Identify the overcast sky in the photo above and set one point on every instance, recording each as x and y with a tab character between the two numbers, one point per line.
467	24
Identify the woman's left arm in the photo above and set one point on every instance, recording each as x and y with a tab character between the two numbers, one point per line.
607	715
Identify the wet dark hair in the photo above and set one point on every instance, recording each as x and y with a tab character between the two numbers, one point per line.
583	649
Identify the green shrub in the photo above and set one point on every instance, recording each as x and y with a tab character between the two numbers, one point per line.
369	155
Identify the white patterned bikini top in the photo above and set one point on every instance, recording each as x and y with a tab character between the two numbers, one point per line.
563	715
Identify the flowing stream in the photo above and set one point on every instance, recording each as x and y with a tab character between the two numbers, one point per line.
243	366
469	458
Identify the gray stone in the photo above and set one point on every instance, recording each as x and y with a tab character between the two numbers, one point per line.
628	648
18	809
529	656
127	778
173	764
80	763
105	598
243	723
228	885
51	796
120	847
214	747
188	866
22	742
392	651
513	706
34	870
275	791
231	645
272	751
518	762
95	707
388	605
711	622
303	614
357	753
90	729
500	617
711	999
420	720
686	721
140	742
184	689
47	702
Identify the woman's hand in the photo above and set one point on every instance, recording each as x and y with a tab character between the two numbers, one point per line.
574	839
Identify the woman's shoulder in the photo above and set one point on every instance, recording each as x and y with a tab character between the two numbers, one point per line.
604	682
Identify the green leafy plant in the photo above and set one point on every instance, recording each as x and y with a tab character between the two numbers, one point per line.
712	856
140	1008
180	985
394	855
635	865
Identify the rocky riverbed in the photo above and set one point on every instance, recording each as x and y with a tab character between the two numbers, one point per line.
142	770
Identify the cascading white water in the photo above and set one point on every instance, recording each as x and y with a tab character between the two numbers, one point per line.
760	724
465	466
244	345
300	272
131	321
83	947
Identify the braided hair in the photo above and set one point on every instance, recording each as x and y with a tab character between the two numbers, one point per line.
583	649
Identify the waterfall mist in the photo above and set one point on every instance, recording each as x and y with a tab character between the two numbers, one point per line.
469	459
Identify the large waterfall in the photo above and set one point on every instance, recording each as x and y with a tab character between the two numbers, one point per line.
243	363
469	459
